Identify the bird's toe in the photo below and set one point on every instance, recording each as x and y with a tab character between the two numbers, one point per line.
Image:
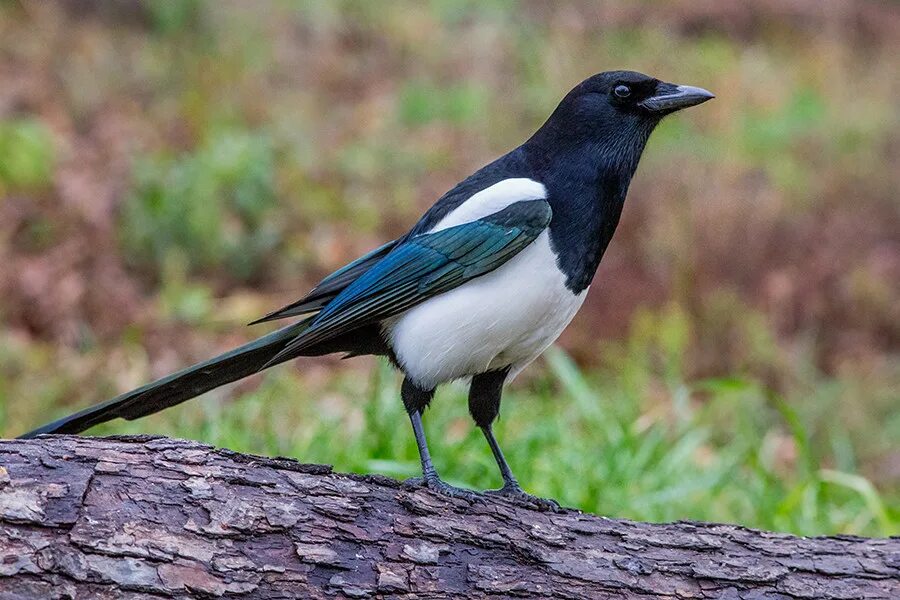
439	486
516	493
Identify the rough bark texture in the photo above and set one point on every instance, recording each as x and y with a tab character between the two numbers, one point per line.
146	517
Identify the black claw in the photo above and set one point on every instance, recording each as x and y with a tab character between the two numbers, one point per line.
439	486
514	492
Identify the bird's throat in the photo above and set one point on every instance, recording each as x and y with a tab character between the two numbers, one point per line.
587	196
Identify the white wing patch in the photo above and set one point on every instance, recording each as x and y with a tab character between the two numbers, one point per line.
491	200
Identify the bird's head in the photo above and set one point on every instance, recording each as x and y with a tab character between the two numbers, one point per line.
614	113
623	98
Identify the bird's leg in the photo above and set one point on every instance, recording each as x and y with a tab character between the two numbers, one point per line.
416	400
511	487
510	483
484	406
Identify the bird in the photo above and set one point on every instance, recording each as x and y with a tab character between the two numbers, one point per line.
478	287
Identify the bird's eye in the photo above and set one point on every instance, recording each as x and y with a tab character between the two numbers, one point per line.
622	91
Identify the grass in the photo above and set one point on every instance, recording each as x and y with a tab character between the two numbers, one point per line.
634	440
739	456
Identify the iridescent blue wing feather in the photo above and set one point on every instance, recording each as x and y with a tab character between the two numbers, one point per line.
423	266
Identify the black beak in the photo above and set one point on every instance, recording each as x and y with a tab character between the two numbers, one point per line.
670	97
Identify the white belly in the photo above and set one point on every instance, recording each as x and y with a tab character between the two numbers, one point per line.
505	318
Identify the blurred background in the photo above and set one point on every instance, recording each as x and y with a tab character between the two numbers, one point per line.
172	170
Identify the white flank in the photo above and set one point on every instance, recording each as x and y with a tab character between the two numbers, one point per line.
506	317
493	199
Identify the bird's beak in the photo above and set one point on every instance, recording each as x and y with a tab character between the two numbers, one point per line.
670	97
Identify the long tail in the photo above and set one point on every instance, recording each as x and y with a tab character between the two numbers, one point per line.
183	385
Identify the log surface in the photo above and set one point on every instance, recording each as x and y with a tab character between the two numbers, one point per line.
150	517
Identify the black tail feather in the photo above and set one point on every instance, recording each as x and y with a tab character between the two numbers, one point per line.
183	385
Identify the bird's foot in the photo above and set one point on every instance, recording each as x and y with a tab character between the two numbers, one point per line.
514	492
439	486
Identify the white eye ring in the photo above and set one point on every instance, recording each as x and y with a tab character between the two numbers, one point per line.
622	91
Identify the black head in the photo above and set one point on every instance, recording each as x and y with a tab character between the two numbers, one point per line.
630	93
615	110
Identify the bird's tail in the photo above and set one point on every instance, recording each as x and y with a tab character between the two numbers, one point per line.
183	385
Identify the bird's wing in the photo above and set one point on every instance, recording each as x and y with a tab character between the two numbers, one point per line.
425	265
331	286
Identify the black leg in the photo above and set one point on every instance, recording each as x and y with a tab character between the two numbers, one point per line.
416	400
509	480
484	406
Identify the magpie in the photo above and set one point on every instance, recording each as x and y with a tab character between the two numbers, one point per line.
487	278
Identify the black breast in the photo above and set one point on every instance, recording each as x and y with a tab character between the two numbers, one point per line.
586	211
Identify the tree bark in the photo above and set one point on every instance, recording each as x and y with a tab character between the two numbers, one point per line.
151	517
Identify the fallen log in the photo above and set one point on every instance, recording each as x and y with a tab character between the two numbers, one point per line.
152	517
